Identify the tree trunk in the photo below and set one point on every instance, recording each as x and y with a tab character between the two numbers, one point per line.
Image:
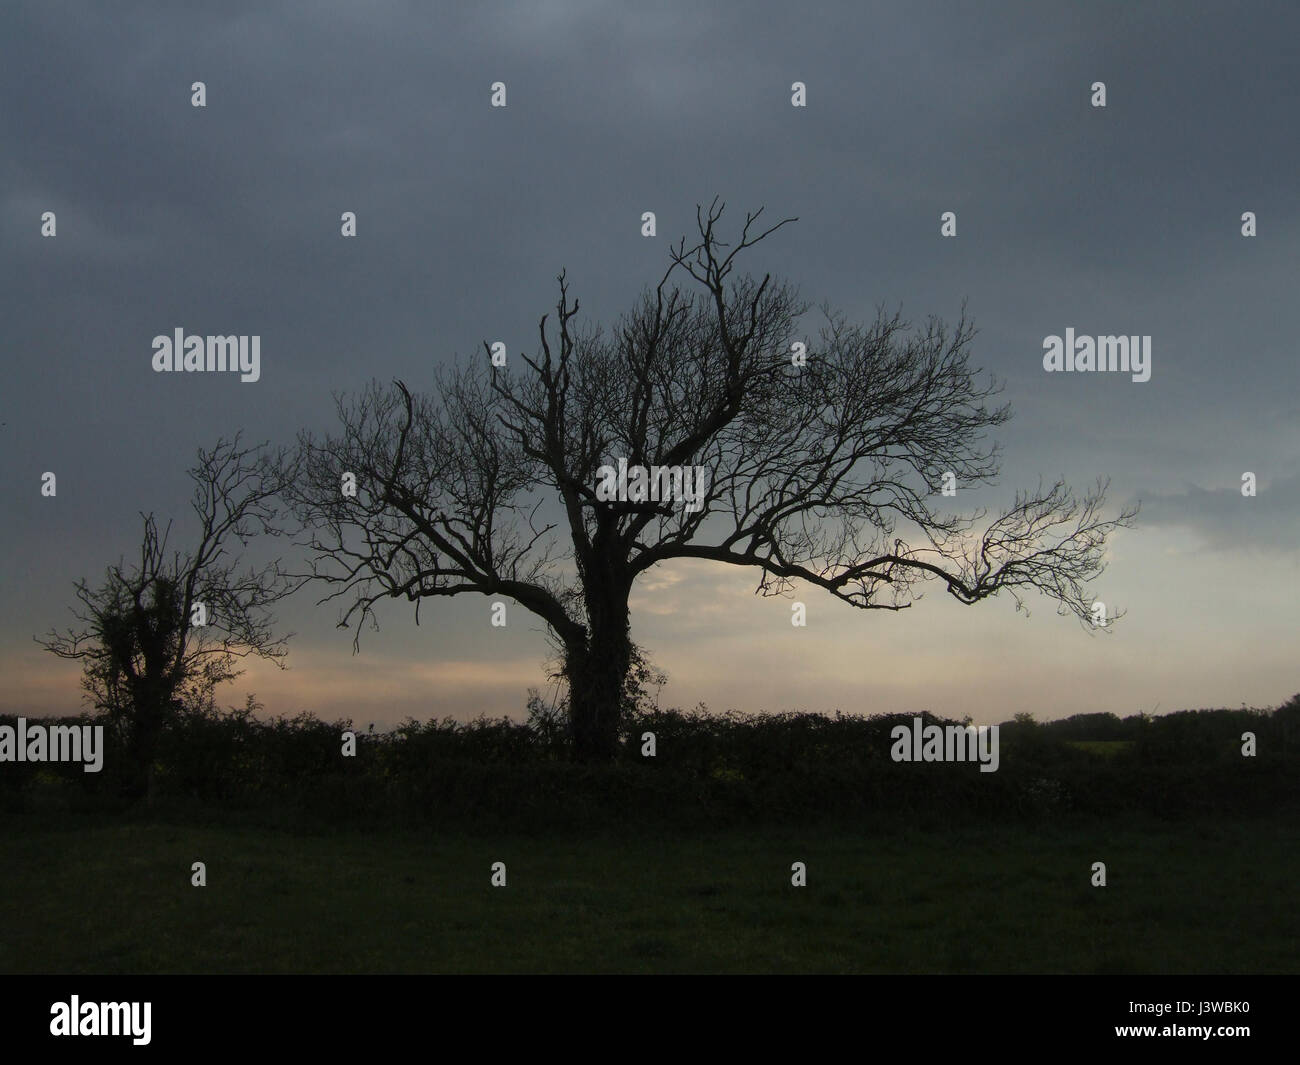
144	730
596	672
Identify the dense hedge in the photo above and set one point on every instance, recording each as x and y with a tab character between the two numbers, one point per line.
709	769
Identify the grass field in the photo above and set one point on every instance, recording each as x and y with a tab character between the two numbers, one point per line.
84	896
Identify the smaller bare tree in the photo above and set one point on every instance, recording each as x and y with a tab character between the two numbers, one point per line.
162	634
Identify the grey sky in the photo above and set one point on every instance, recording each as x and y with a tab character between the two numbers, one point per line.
225	219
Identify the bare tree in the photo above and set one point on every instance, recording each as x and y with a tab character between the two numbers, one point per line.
489	485
165	632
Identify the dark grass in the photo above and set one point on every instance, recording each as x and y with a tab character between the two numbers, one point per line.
86	894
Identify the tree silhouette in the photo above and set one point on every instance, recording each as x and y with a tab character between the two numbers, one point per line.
146	654
490	484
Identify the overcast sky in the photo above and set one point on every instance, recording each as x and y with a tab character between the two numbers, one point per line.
225	219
